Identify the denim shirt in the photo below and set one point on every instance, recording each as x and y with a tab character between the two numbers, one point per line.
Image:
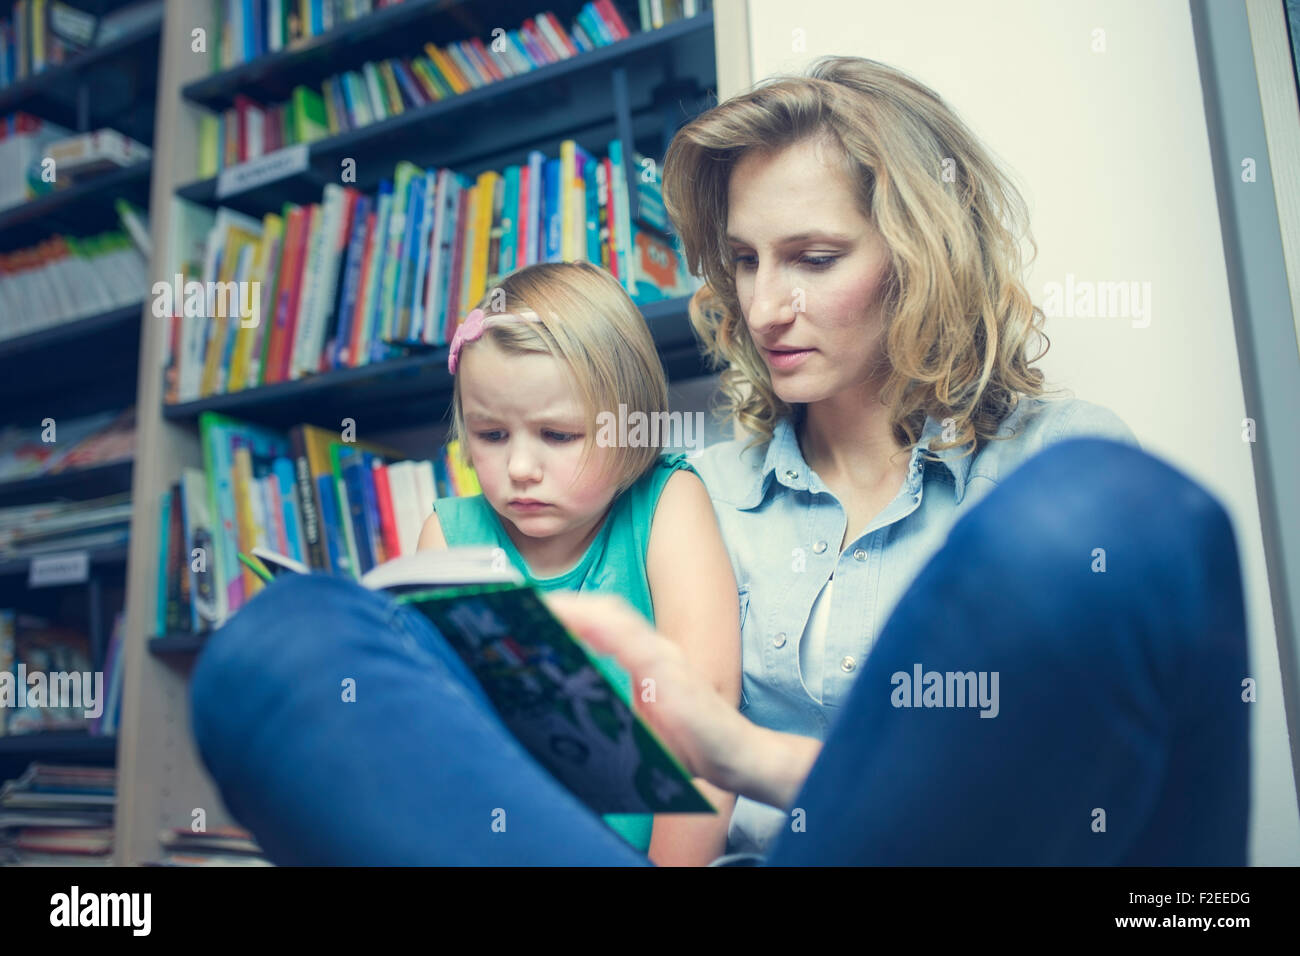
782	527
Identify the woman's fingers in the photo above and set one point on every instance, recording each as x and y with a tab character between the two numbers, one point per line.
683	707
609	626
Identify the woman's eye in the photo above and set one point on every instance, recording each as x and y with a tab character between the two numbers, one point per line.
748	263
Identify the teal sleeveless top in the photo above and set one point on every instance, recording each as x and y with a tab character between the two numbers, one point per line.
613	564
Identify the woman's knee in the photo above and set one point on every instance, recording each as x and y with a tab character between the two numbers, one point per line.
296	613
1098	506
293	627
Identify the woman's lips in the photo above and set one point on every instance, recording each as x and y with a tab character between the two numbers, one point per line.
786	360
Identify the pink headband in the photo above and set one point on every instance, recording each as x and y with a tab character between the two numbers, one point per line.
471	330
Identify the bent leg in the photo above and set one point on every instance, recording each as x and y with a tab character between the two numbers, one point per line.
1120	736
416	769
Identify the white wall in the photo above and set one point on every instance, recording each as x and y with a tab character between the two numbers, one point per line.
1111	151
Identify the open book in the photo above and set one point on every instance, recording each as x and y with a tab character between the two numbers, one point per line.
545	685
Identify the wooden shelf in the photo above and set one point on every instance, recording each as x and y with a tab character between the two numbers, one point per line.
17	95
176	645
70	745
101	557
101	87
82	483
84	207
114	321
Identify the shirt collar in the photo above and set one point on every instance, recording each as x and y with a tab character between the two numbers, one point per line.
785	464
957	462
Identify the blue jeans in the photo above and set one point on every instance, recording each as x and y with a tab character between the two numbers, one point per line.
1115	732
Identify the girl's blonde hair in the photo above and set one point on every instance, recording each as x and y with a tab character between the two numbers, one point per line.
958	319
587	321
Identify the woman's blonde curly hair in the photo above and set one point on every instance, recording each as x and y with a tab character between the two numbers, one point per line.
959	321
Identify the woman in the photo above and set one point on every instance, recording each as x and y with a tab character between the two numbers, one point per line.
1047	676
863	264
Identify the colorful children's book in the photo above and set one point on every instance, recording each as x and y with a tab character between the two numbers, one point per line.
357	510
544	684
231	523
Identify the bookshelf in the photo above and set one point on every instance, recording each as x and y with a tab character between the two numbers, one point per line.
595	91
639	90
102	86
68	747
86	363
406	391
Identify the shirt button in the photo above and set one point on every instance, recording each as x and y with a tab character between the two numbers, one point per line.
792	475
779	640
859	555
819	547
848	664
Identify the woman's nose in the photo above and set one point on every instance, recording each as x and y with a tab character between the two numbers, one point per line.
771	302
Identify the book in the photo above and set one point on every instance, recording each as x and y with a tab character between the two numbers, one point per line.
547	688
231	520
357	506
307	115
98	151
198	553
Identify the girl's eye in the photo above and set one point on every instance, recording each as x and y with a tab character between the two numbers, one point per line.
563	437
820	262
490	436
743	262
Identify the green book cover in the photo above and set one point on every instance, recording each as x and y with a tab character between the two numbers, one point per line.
309	120
550	693
254	564
432	77
209	138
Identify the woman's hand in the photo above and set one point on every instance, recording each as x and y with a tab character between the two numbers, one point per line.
703	731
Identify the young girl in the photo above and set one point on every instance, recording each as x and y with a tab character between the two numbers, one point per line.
546	352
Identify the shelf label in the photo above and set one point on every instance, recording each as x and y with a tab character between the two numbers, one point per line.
265	169
69	567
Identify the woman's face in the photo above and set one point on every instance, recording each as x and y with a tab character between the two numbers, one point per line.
525	431
810	272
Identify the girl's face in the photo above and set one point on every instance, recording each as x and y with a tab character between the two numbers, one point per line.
810	272
525	435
